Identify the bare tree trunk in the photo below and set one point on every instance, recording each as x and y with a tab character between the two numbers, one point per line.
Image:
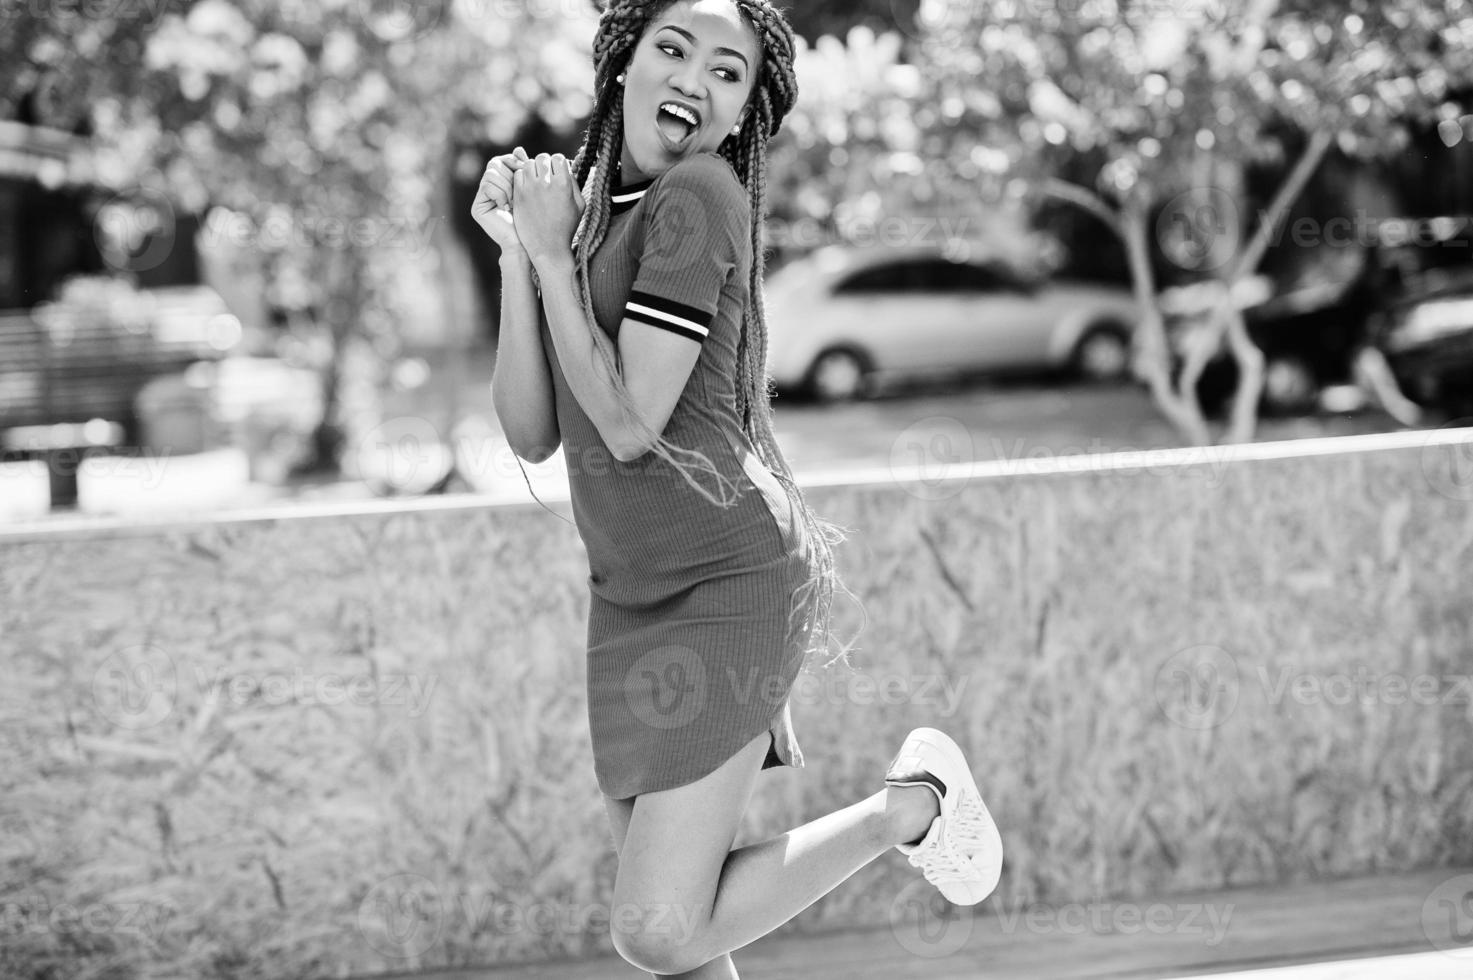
1152	349
343	307
1181	410
1227	318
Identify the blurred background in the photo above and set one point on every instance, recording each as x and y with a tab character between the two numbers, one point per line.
237	264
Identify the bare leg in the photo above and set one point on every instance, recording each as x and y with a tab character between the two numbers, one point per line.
693	899
721	968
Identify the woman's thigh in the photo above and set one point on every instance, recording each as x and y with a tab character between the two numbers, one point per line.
619	812
675	842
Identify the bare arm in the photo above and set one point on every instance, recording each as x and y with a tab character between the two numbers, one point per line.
521	386
654	364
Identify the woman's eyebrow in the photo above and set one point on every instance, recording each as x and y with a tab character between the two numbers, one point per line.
692	39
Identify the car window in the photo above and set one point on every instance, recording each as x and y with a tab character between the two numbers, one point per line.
926	276
892	277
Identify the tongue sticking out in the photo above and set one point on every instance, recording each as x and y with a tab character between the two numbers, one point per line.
676	130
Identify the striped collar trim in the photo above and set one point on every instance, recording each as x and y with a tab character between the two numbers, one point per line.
625	196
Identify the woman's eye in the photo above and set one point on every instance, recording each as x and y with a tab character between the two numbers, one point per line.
728	74
671	50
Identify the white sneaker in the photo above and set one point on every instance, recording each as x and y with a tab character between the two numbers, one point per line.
962	852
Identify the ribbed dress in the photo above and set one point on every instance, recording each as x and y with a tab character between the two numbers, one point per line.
690	655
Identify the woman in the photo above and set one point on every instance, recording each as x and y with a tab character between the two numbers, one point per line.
710	578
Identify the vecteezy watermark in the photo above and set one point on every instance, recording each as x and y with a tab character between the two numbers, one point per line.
1207	920
138	687
1447	917
135	230
1448	466
1201	686
402	20
667	687
1019	458
1198	687
923	455
37	915
403	454
405	915
60	11
393	21
1362	685
926	925
892	231
941	692
1199	229
929	458
284	227
302	687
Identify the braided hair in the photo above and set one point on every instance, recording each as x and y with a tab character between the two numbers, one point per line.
621	26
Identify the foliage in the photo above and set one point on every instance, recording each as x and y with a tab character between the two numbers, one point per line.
1173	100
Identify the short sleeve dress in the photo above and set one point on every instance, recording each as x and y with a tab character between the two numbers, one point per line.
690	652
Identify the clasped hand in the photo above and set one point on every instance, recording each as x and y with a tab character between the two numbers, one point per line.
538	198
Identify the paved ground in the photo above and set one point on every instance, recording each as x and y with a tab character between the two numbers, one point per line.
1414	926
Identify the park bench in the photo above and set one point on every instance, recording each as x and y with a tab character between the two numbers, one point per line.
70	377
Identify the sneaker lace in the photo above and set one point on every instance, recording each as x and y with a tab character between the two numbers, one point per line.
947	856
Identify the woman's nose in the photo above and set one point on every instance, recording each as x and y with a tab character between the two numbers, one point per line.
687	79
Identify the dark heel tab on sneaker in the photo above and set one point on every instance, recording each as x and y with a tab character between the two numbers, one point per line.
916	779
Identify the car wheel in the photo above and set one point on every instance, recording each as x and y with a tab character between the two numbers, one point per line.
839	375
1288	385
1103	354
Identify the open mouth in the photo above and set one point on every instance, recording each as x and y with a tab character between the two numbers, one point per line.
677	124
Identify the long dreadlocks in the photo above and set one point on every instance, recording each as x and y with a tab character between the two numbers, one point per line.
620	29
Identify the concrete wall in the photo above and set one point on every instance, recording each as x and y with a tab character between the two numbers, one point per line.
348	742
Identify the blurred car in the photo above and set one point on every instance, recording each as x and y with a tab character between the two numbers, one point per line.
1399	300
1309	338
1427	337
848	318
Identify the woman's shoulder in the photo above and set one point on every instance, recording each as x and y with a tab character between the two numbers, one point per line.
705	174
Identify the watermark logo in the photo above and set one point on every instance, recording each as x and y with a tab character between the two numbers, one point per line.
927	926
666	687
392	21
1447	917
1199	230
1106	918
136	687
1198	687
402	916
135	230
404	454
921	455
1448	467
139	920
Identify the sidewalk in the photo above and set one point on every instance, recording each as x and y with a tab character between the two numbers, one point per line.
1400	917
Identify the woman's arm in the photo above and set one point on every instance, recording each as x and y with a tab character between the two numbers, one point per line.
521	385
654	364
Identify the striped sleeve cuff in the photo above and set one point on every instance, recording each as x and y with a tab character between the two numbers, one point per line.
688	321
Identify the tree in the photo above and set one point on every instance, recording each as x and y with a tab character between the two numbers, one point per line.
851	161
319	136
1173	101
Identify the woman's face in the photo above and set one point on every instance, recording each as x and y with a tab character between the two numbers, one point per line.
698	60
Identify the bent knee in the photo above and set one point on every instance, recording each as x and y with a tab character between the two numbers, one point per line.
661	939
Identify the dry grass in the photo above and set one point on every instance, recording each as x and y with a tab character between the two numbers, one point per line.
255	835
